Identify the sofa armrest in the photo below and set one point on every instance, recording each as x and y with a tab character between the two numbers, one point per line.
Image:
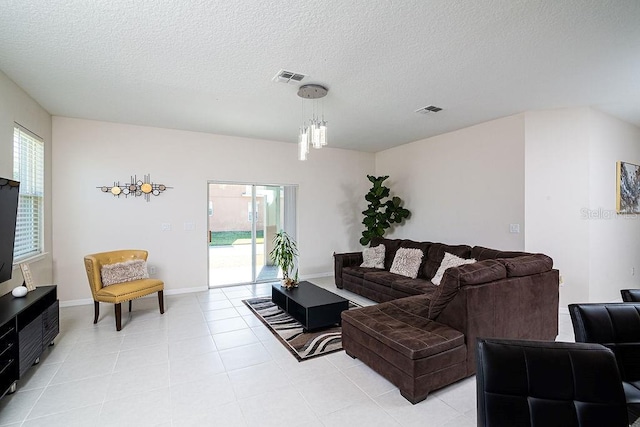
515	307
527	265
344	260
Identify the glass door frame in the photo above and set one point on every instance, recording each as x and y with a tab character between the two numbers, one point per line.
254	221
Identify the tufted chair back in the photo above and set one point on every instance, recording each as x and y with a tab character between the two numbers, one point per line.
630	295
614	325
547	384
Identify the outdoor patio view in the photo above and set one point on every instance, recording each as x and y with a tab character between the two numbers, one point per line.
242	222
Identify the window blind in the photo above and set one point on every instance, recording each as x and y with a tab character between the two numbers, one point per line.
28	168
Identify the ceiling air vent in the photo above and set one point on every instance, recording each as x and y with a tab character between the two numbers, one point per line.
428	109
285	76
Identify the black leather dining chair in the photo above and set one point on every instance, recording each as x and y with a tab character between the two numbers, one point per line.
617	327
548	384
630	295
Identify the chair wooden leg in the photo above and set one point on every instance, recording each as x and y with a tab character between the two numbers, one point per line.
130	305
118	316
96	309
161	301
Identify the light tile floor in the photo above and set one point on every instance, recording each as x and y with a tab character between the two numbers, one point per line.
208	362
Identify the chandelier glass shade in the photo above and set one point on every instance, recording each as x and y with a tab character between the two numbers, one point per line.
313	132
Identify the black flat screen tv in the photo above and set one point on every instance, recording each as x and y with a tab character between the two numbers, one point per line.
9	190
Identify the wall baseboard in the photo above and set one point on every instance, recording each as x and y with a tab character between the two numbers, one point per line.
313	276
89	301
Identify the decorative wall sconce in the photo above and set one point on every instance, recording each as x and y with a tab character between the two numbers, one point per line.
135	188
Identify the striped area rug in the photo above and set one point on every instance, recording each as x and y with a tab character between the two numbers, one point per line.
303	345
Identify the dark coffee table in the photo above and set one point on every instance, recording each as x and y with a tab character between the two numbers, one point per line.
311	305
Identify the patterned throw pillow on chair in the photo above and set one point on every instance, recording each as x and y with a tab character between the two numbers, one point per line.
407	262
124	272
373	257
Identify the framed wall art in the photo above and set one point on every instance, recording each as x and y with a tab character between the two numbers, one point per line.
627	188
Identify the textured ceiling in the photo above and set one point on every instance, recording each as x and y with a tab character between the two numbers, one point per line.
207	65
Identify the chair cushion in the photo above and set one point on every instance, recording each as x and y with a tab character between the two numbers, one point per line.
129	290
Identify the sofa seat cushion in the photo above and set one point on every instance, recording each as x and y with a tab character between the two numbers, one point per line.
384	278
413	286
358	271
398	285
414	336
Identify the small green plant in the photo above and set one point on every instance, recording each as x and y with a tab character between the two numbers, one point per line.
380	214
284	255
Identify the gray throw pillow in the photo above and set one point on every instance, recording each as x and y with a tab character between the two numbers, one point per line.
124	272
407	262
373	257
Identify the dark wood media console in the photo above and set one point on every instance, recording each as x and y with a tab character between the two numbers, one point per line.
27	326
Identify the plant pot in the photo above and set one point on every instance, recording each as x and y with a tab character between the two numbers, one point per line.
289	284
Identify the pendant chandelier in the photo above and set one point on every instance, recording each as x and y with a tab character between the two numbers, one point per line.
313	131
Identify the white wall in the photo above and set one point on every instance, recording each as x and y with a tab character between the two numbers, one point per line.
465	186
556	190
88	154
16	106
614	240
570	201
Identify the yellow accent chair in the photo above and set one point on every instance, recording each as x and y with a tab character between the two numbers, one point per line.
118	293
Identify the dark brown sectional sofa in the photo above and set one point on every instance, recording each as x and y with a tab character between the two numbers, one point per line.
422	336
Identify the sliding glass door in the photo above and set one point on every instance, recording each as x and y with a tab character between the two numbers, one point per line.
243	218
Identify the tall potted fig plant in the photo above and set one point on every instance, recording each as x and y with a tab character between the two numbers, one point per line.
284	254
381	213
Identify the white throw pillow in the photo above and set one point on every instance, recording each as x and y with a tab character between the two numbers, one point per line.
373	257
448	261
407	262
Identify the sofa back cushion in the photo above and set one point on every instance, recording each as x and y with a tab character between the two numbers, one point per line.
481	253
390	248
527	265
436	253
469	274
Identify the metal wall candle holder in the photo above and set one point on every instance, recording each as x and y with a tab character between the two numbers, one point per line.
135	188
